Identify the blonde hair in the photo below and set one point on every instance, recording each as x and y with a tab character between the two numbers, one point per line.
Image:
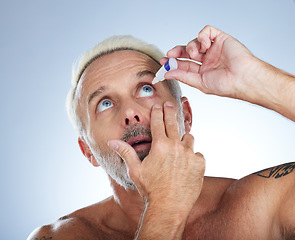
112	44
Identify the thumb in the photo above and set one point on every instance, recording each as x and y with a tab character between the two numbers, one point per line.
190	78
127	153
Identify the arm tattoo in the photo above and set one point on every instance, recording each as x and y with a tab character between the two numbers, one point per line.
277	172
43	238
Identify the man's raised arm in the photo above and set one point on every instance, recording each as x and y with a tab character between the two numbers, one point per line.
229	69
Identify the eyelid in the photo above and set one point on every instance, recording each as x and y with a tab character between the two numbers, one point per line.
141	85
101	100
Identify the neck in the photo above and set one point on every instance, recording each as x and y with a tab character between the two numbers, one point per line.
129	204
129	201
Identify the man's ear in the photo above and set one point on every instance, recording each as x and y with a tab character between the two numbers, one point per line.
187	114
87	152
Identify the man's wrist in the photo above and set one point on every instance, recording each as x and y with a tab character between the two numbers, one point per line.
251	85
258	84
168	211
160	220
171	206
269	87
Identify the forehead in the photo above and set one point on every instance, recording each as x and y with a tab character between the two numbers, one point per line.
118	63
113	68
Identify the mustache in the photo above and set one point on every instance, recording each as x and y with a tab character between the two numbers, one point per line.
134	131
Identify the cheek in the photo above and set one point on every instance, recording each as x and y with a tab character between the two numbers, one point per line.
102	133
163	97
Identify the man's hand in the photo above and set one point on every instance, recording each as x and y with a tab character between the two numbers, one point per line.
225	64
227	68
169	179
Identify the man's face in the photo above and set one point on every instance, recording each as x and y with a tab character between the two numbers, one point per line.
115	97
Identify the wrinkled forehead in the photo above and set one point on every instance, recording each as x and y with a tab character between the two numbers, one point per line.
107	52
111	69
115	64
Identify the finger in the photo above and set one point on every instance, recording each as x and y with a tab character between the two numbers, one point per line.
187	73
163	60
157	123
200	155
207	35
128	154
189	78
178	52
195	50
201	159
187	66
188	140
171	123
201	162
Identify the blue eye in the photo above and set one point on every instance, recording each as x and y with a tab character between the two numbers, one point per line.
146	91
104	105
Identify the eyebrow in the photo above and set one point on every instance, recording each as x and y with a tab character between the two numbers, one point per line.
96	93
144	73
101	89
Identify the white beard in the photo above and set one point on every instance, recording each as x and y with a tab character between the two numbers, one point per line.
115	166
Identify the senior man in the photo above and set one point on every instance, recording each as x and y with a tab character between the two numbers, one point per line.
139	133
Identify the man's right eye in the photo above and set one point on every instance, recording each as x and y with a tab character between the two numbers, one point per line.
104	105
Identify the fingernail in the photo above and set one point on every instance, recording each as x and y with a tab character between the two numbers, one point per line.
190	51
169	104
113	145
157	106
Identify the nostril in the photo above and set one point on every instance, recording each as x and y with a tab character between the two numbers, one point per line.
133	120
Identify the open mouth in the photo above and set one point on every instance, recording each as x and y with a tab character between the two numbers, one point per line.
140	143
141	146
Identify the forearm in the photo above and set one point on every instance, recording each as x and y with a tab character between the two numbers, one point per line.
162	223
271	88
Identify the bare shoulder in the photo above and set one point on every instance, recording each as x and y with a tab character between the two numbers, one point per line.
281	182
71	228
277	183
79	225
278	172
269	195
272	184
43	233
279	178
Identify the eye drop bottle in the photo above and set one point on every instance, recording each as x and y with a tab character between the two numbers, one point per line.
171	64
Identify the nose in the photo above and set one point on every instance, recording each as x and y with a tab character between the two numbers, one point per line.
132	116
129	121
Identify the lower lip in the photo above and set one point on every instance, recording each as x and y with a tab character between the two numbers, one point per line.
142	147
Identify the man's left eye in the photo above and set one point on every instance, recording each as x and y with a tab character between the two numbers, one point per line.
146	91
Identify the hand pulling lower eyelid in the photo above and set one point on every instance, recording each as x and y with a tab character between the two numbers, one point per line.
171	64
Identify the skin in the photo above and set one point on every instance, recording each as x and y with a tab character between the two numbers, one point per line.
120	71
173	199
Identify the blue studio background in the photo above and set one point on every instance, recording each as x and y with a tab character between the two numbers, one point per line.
43	174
